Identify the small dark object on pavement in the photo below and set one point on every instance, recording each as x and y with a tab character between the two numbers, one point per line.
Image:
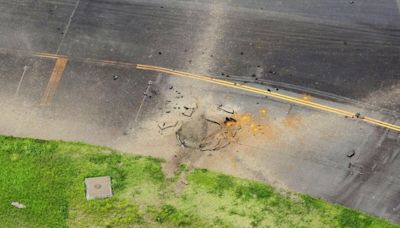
351	2
160	53
277	89
167	111
222	74
213	121
115	77
253	75
268	90
241	53
229	119
357	115
349	166
351	153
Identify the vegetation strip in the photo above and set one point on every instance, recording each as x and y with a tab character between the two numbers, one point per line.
47	177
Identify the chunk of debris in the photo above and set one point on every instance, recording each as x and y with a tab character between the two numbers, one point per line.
171	87
229	121
98	187
190	106
188	112
189	109
213	121
115	77
226	109
18	205
166	125
358	116
351	153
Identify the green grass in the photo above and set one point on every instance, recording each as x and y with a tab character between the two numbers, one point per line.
47	177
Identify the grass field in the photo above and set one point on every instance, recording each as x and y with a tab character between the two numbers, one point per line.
47	177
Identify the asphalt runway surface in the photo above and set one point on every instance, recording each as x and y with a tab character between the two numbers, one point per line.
339	50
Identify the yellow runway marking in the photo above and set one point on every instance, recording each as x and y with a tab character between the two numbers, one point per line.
54	81
62	61
269	93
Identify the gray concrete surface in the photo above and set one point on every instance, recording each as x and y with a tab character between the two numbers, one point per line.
348	53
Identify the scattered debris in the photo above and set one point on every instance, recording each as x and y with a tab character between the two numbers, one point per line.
18	205
166	126
226	109
358	116
189	110
213	121
171	87
351	153
115	77
229	121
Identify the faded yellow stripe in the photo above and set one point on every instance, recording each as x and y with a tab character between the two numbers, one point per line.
54	80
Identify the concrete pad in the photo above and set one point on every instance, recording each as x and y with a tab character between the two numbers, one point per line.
98	187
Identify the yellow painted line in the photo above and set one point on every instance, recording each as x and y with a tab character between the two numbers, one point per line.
62	61
269	93
54	80
253	89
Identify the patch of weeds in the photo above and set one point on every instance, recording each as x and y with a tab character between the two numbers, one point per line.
311	203
253	190
350	218
153	171
170	214
215	183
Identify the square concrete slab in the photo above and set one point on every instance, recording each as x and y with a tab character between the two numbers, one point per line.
98	187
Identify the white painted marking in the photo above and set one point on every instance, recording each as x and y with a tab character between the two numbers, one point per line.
20	82
143	100
67	27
